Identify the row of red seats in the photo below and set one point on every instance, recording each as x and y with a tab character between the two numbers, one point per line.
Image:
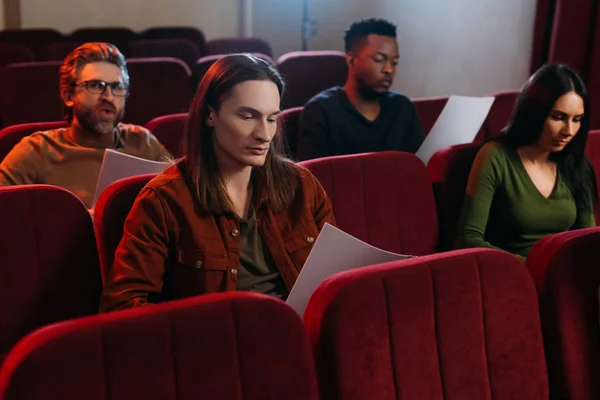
36	40
462	324
182	49
159	86
169	128
395	212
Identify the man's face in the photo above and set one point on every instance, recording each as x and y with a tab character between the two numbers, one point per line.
95	111
373	66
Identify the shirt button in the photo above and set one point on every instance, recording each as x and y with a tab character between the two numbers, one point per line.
235	232
198	264
233	271
310	239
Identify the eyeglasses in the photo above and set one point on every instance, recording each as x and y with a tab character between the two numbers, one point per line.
96	86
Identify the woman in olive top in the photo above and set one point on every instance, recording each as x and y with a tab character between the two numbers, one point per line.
535	180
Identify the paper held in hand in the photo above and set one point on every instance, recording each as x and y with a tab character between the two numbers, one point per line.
116	165
459	122
334	251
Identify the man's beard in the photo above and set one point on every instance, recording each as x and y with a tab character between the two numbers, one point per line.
367	93
91	122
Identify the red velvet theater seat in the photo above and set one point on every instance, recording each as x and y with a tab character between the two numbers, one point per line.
11	135
112	208
384	199
49	268
19	83
238	45
290	120
428	110
226	346
592	151
169	130
565	269
457	325
500	112
159	86
449	170
309	72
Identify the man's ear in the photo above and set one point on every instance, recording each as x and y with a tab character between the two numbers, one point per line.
67	97
350	59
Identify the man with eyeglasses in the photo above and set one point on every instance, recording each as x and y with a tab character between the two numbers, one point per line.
94	84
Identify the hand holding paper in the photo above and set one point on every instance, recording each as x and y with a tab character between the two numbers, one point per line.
334	251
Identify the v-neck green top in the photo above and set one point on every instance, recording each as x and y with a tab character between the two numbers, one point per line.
503	209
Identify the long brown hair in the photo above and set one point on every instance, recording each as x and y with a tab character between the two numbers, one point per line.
277	175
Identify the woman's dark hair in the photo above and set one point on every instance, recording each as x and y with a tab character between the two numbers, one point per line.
277	175
534	104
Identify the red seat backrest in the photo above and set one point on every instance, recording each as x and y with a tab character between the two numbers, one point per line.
449	170
177	32
169	130
182	49
159	86
298	70
455	325
14	53
290	120
384	199
500	113
19	83
428	110
110	212
10	136
218	346
565	269
238	45
49	269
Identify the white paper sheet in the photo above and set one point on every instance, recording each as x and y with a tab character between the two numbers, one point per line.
334	251
459	122
116	165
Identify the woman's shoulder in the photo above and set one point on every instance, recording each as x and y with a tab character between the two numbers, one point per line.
494	152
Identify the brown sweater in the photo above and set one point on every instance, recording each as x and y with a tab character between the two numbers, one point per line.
62	158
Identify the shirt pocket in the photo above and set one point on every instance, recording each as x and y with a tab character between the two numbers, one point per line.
299	244
196	272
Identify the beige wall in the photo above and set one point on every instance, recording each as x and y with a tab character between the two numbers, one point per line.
216	18
447	47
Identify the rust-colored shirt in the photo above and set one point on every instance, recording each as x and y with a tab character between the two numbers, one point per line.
169	250
62	158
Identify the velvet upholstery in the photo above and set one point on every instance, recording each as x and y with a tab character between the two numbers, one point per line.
456	325
119	36
112	208
500	112
302	83
29	93
238	45
237	346
449	170
177	32
204	63
169	130
384	199
49	270
159	86
565	269
290	120
14	53
12	135
182	49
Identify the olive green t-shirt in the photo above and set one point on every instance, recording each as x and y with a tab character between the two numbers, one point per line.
503	208
257	270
